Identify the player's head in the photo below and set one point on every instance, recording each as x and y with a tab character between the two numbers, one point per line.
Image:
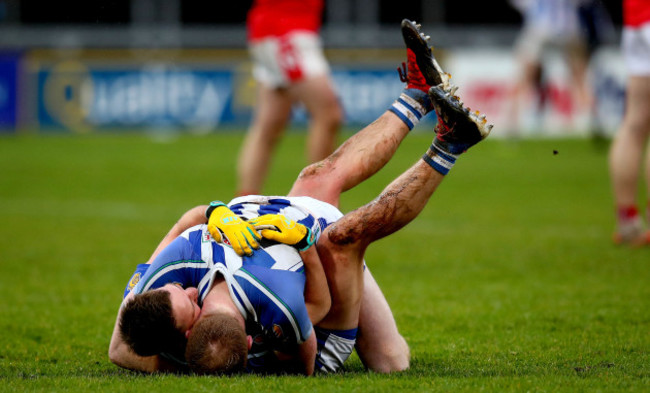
217	345
160	320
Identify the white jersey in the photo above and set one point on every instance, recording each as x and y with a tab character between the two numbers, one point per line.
549	24
551	18
312	213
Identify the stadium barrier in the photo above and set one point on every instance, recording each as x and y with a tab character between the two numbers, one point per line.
210	90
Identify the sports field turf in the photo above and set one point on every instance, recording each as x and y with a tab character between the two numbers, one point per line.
507	281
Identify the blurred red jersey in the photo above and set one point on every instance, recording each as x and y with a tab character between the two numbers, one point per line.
278	17
636	12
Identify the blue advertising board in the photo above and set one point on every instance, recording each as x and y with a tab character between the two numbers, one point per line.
366	94
74	96
213	90
8	91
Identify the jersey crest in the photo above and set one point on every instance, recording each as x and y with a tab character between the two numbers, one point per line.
134	281
277	330
207	238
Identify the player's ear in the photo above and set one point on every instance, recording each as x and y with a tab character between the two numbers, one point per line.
249	342
187	333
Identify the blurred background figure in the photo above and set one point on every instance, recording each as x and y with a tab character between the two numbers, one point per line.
289	66
631	141
573	28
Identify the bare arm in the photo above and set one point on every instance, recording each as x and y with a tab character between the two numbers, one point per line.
194	216
318	302
307	352
317	294
302	361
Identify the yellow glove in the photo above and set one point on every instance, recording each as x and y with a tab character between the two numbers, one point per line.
284	230
225	226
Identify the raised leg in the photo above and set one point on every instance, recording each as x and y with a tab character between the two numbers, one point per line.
361	156
343	243
370	149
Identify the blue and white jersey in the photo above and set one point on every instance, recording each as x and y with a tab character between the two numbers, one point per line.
267	287
273	306
187	261
268	335
193	259
310	212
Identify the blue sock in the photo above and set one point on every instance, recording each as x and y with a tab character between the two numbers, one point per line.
411	106
439	159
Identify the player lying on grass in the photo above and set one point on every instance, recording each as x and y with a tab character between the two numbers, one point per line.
155	322
342	244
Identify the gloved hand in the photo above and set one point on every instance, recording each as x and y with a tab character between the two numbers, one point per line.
284	230
226	226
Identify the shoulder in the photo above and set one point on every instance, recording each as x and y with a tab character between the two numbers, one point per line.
277	299
281	284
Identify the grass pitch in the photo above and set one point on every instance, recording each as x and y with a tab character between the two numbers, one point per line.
508	280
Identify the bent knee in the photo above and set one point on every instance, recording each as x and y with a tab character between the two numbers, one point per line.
638	125
314	171
394	365
391	359
317	181
395	361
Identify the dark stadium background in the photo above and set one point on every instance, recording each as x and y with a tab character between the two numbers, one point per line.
233	13
339	14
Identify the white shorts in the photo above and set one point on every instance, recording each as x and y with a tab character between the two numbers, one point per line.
636	50
532	43
334	348
281	61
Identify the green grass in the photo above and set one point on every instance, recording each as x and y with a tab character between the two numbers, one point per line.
507	281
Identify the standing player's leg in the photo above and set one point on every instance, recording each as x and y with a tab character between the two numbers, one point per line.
577	55
325	115
272	113
311	85
625	160
631	141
